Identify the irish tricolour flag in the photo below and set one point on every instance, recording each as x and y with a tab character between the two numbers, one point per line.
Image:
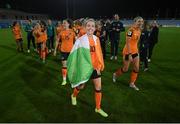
79	65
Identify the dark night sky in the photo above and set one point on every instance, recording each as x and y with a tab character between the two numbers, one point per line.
97	8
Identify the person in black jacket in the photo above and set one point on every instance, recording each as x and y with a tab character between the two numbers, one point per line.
29	29
107	27
50	34
144	45
116	27
153	39
101	33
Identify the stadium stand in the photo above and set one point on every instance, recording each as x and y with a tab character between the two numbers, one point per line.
7	16
163	23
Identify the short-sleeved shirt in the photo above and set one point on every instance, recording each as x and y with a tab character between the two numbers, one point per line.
17	32
67	38
134	35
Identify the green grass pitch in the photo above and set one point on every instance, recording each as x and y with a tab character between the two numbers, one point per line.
30	91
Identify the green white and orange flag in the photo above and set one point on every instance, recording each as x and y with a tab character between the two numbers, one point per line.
79	64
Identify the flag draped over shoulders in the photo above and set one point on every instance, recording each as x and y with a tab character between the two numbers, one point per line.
79	64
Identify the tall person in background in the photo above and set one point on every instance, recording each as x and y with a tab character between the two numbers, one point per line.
116	27
50	34
29	29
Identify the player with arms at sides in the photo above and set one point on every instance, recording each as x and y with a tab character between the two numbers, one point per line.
18	36
65	41
29	29
130	52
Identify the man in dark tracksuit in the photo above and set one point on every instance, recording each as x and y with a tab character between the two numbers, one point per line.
116	27
50	34
153	39
30	37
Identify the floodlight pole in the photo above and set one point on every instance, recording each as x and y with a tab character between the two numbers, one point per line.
176	13
167	13
74	9
67	8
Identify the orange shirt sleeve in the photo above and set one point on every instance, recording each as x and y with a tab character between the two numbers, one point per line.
96	54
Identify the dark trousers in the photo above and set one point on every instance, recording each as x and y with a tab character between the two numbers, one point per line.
29	39
114	46
144	56
103	47
50	42
150	50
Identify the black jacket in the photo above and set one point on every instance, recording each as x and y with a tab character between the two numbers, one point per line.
117	25
154	35
144	39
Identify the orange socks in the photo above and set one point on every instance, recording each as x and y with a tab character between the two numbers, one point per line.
64	72
98	96
43	54
75	92
134	75
119	72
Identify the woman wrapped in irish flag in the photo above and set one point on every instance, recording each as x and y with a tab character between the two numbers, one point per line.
86	62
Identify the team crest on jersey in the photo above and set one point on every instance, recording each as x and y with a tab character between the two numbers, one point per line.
67	37
129	33
92	49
